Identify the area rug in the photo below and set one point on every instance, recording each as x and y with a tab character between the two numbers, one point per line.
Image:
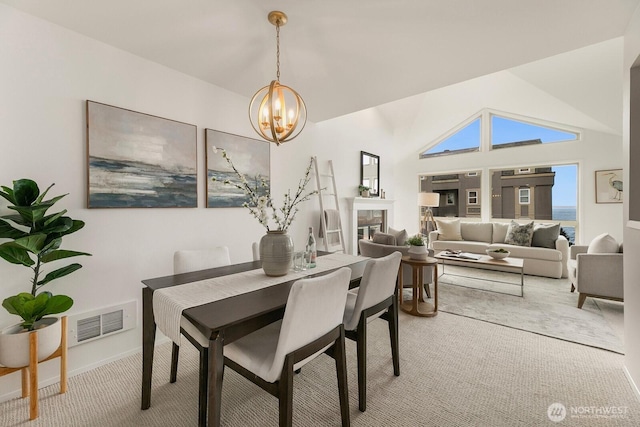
547	307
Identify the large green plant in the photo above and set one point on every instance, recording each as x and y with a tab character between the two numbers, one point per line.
35	240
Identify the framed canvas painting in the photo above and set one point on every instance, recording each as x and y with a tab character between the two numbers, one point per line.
136	160
250	157
609	186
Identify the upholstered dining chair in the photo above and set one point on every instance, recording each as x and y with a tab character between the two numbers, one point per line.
375	297
311	325
186	261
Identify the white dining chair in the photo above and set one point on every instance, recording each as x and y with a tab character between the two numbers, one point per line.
375	297
186	261
311	325
255	248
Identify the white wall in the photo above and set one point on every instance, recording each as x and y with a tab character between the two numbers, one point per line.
631	235
443	109
47	73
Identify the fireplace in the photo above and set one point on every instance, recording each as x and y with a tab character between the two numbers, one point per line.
368	216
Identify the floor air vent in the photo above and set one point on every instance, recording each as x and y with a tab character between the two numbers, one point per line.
89	326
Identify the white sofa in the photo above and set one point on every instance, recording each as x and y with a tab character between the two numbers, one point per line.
477	237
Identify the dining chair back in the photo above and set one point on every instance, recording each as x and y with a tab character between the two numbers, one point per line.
311	325
186	261
255	248
375	297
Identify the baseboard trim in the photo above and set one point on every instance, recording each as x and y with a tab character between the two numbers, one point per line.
56	379
636	391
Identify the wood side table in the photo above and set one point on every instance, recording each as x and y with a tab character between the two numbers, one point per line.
418	306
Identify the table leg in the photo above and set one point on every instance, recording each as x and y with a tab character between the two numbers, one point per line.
216	370
415	293
435	288
148	343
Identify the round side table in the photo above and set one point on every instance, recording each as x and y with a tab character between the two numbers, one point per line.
417	306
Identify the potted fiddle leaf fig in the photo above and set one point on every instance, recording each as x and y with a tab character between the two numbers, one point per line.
34	239
418	249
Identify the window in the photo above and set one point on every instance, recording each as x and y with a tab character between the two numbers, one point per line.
524	196
472	197
465	140
451	198
509	132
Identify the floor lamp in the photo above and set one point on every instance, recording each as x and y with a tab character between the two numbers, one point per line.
430	200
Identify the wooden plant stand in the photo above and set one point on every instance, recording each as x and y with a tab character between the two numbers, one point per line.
30	373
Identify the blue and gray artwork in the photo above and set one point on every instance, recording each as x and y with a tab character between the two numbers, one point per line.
250	157
139	161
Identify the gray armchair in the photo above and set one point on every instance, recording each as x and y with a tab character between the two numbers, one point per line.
378	250
595	275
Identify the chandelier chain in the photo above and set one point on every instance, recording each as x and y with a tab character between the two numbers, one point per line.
278	51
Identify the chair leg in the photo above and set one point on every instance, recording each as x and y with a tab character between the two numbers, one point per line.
581	299
573	288
285	394
175	352
393	335
203	385
361	350
341	370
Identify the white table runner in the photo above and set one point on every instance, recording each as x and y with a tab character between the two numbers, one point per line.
168	303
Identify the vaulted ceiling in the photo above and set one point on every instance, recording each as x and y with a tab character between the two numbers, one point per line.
343	55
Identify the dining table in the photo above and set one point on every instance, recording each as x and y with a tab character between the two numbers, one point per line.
226	319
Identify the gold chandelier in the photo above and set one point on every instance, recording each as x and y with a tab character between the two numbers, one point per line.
268	108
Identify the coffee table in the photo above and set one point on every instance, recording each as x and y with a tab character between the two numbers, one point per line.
511	265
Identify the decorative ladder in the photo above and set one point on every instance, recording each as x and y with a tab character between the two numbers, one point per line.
323	219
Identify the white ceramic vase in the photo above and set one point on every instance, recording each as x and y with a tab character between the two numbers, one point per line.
14	342
276	250
418	252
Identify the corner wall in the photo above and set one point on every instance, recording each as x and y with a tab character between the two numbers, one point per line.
631	235
47	74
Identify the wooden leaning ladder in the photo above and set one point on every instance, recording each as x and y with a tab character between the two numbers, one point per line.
323	220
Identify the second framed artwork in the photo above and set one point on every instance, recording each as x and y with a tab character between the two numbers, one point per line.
609	186
250	157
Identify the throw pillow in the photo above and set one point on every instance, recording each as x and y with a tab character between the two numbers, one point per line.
545	235
400	235
519	235
500	232
384	239
448	229
603	244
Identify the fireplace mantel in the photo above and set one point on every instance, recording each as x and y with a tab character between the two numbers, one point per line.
366	204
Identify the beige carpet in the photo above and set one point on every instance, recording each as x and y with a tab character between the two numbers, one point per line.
455	371
548	307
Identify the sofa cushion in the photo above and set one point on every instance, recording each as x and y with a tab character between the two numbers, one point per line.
476	231
400	235
603	244
519	235
529	252
384	238
449	229
500	231
545	235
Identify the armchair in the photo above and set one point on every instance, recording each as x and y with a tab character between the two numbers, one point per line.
595	275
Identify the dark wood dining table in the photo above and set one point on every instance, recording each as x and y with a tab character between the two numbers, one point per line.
223	321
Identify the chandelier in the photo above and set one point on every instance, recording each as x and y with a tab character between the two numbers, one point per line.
268	108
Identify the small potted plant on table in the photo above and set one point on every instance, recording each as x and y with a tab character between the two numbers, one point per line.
418	249
34	240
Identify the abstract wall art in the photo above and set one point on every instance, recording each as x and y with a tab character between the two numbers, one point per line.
136	160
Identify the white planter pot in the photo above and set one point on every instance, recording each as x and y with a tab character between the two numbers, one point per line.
14	342
418	253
